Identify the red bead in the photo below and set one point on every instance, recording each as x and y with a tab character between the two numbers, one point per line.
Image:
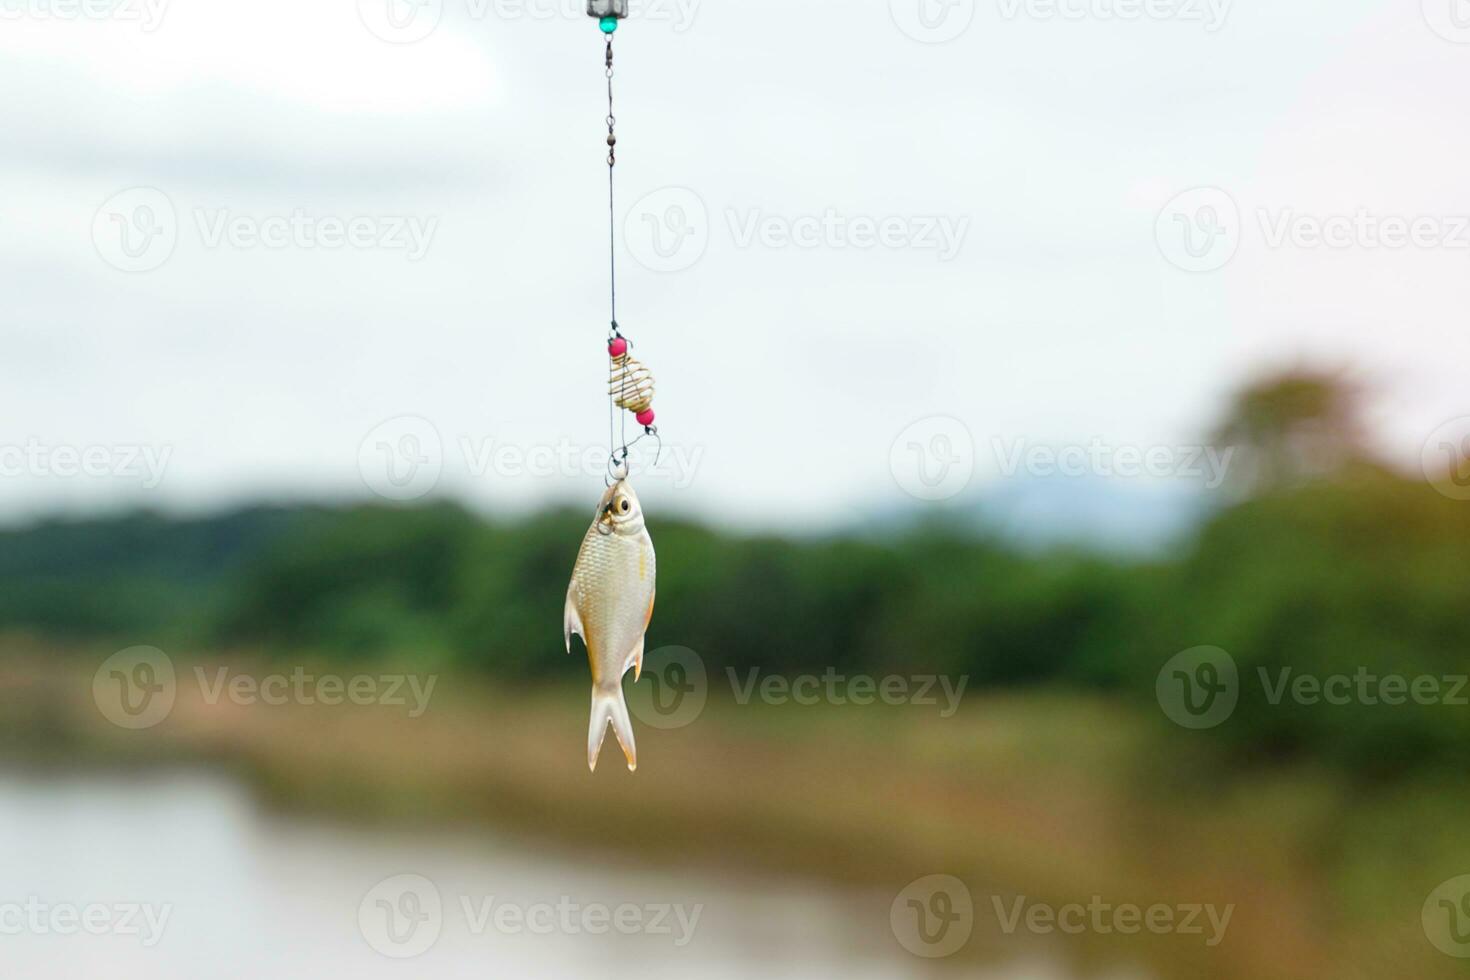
618	347
645	417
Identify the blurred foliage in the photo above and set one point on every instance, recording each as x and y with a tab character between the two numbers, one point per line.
1344	569
1290	427
1366	574
1367	571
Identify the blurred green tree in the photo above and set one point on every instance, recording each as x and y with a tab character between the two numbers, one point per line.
1331	565
1291	426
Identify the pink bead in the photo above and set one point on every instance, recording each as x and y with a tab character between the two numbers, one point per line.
618	347
645	417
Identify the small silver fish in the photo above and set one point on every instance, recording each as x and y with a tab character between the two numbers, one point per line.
609	605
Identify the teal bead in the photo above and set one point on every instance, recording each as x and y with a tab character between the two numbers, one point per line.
609	24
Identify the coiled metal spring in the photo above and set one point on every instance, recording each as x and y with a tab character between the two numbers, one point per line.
631	384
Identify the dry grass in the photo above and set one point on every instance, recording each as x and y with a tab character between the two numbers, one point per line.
1057	798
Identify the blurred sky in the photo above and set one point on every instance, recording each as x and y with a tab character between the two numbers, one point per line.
786	373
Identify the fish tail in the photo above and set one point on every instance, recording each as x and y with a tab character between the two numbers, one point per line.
608	707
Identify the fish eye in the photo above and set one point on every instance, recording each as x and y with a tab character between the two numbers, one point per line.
624	506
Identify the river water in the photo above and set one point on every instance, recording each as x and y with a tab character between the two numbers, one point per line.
181	876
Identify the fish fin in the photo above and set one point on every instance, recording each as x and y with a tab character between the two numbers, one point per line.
608	707
571	623
635	660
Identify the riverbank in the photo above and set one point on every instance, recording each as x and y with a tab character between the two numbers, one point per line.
1048	798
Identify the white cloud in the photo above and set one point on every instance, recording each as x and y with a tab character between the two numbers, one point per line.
794	369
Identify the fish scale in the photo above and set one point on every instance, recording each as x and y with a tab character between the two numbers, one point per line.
610	598
609	565
609	604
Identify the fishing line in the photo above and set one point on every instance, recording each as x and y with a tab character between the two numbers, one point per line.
610	598
631	385
612	250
